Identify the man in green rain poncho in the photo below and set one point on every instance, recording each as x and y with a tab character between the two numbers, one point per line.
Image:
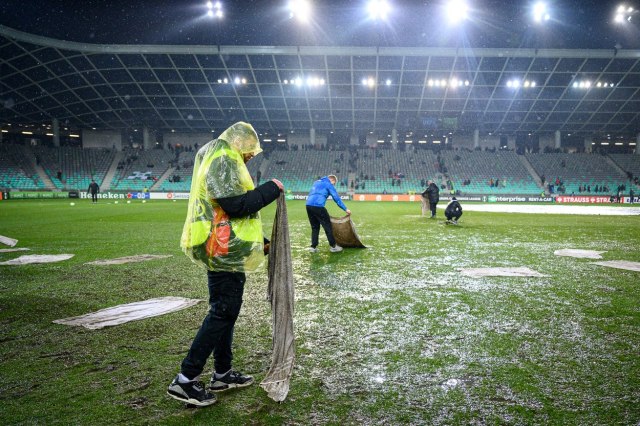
222	233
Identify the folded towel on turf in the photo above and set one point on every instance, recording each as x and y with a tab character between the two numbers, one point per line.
620	264
8	241
500	272
584	254
121	314
37	258
13	249
128	259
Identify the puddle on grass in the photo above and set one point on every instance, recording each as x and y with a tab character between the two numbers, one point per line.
399	320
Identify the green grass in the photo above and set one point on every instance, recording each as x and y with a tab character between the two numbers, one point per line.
387	335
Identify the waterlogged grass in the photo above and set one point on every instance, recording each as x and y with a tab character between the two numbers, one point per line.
392	334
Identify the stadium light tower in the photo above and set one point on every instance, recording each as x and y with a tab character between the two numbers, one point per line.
378	9
300	10
457	11
541	12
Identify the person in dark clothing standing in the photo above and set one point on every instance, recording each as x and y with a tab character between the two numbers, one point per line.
432	193
222	233
453	211
93	190
317	212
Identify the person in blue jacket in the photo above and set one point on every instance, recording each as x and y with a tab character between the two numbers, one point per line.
318	214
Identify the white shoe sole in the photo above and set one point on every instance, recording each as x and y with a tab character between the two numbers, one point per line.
231	386
191	401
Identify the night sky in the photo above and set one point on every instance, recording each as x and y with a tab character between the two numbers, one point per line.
584	24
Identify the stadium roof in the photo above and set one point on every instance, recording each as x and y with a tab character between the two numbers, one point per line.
328	88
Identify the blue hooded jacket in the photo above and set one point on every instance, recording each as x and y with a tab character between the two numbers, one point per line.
320	191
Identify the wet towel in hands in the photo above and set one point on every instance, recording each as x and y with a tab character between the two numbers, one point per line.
280	294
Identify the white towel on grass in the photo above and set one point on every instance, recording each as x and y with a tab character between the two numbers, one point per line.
620	264
37	258
129	259
521	271
13	249
121	314
8	241
583	254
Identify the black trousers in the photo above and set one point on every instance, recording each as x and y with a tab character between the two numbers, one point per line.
432	207
453	215
94	197
320	216
216	332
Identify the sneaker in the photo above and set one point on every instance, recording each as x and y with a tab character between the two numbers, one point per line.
313	250
233	379
455	222
191	392
335	249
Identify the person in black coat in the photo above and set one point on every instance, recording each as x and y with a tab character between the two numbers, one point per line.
453	211
93	190
432	193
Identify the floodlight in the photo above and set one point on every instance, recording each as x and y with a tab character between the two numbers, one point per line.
388	82
214	9
300	10
457	10
624	13
378	9
540	12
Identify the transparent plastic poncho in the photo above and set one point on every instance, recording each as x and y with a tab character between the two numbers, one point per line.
210	237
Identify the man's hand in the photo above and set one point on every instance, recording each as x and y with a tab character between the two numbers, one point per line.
348	212
280	185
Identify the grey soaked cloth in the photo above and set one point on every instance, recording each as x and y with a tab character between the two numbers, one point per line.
345	233
281	295
121	314
425	206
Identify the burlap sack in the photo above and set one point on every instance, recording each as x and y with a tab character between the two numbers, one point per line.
345	233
